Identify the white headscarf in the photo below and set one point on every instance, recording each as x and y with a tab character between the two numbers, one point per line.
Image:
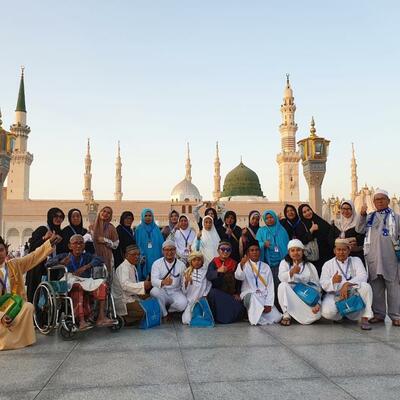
343	223
184	238
209	242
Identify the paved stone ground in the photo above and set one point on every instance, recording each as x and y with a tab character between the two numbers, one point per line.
335	361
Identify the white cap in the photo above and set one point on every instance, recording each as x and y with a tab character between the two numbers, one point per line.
295	243
169	243
381	191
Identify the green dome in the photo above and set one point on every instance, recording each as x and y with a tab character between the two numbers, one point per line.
241	181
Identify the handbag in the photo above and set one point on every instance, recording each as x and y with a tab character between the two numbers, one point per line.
352	304
11	304
152	313
307	293
311	250
201	314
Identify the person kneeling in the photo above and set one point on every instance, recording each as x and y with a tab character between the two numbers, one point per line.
195	284
343	277
257	288
166	279
132	289
82	287
18	331
299	291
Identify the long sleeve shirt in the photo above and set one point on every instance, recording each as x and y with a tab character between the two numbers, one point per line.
308	273
129	280
160	269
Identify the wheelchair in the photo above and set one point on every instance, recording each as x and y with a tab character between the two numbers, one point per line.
54	309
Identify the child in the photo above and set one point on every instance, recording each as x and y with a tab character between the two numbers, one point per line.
195	284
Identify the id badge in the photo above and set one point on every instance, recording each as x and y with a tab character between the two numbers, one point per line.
149	245
276	249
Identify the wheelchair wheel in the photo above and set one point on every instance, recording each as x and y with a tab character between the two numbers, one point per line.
67	329
45	305
118	325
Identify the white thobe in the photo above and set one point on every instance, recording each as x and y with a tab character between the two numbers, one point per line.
170	295
199	288
260	295
289	301
353	271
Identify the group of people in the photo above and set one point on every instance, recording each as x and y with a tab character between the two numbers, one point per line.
295	266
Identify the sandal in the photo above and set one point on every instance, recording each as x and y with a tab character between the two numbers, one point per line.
366	326
396	322
285	321
376	320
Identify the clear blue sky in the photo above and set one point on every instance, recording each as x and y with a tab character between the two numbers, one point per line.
156	74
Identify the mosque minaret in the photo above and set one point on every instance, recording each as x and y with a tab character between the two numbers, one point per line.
87	191
354	177
288	159
21	159
118	176
217	176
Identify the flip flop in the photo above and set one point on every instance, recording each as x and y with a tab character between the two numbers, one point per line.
376	320
366	326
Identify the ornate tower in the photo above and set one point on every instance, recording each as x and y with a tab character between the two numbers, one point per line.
21	159
354	177
87	191
118	176
188	166
217	176
288	159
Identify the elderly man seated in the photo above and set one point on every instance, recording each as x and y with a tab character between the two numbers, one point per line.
82	287
342	277
133	290
166	278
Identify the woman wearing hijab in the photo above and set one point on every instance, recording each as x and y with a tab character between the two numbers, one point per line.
208	240
321	232
184	237
75	227
249	233
294	226
273	240
231	233
173	217
345	228
105	237
149	239
55	218
126	236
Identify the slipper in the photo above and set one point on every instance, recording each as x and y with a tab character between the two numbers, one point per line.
366	326
285	321
376	320
105	323
396	322
85	327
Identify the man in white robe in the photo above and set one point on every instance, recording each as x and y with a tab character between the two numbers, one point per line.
166	279
382	230
339	276
257	293
132	289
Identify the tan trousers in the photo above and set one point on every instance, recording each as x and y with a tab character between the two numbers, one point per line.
135	312
21	333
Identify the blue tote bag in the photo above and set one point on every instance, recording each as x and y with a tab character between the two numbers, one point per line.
307	293
350	305
201	315
152	313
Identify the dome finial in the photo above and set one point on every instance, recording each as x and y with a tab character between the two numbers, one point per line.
287	80
312	129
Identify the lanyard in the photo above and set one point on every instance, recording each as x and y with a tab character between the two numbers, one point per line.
258	273
186	239
4	283
347	269
149	232
170	270
295	225
128	231
74	266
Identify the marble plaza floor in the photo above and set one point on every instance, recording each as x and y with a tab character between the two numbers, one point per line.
335	361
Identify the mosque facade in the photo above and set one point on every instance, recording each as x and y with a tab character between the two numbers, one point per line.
241	190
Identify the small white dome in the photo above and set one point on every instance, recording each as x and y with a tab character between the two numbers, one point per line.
185	191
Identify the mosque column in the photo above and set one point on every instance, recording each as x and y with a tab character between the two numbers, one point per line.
314	154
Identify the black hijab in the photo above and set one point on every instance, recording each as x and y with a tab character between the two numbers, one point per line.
50	216
295	227
125	215
126	238
76	229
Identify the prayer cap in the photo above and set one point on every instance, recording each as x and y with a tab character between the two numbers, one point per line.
381	191
342	242
195	254
295	243
169	243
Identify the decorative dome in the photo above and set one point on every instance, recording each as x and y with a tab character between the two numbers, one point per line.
185	191
242	181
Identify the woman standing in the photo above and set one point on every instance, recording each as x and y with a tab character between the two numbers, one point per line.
125	235
249	233
321	233
210	211
173	217
149	239
345	228
184	237
208	240
55	218
75	227
105	237
231	233
294	226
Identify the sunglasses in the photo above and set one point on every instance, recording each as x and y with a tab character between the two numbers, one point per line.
59	216
225	249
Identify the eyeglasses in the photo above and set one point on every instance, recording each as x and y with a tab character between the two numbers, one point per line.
59	216
225	249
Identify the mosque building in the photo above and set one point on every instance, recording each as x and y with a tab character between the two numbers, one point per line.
241	190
